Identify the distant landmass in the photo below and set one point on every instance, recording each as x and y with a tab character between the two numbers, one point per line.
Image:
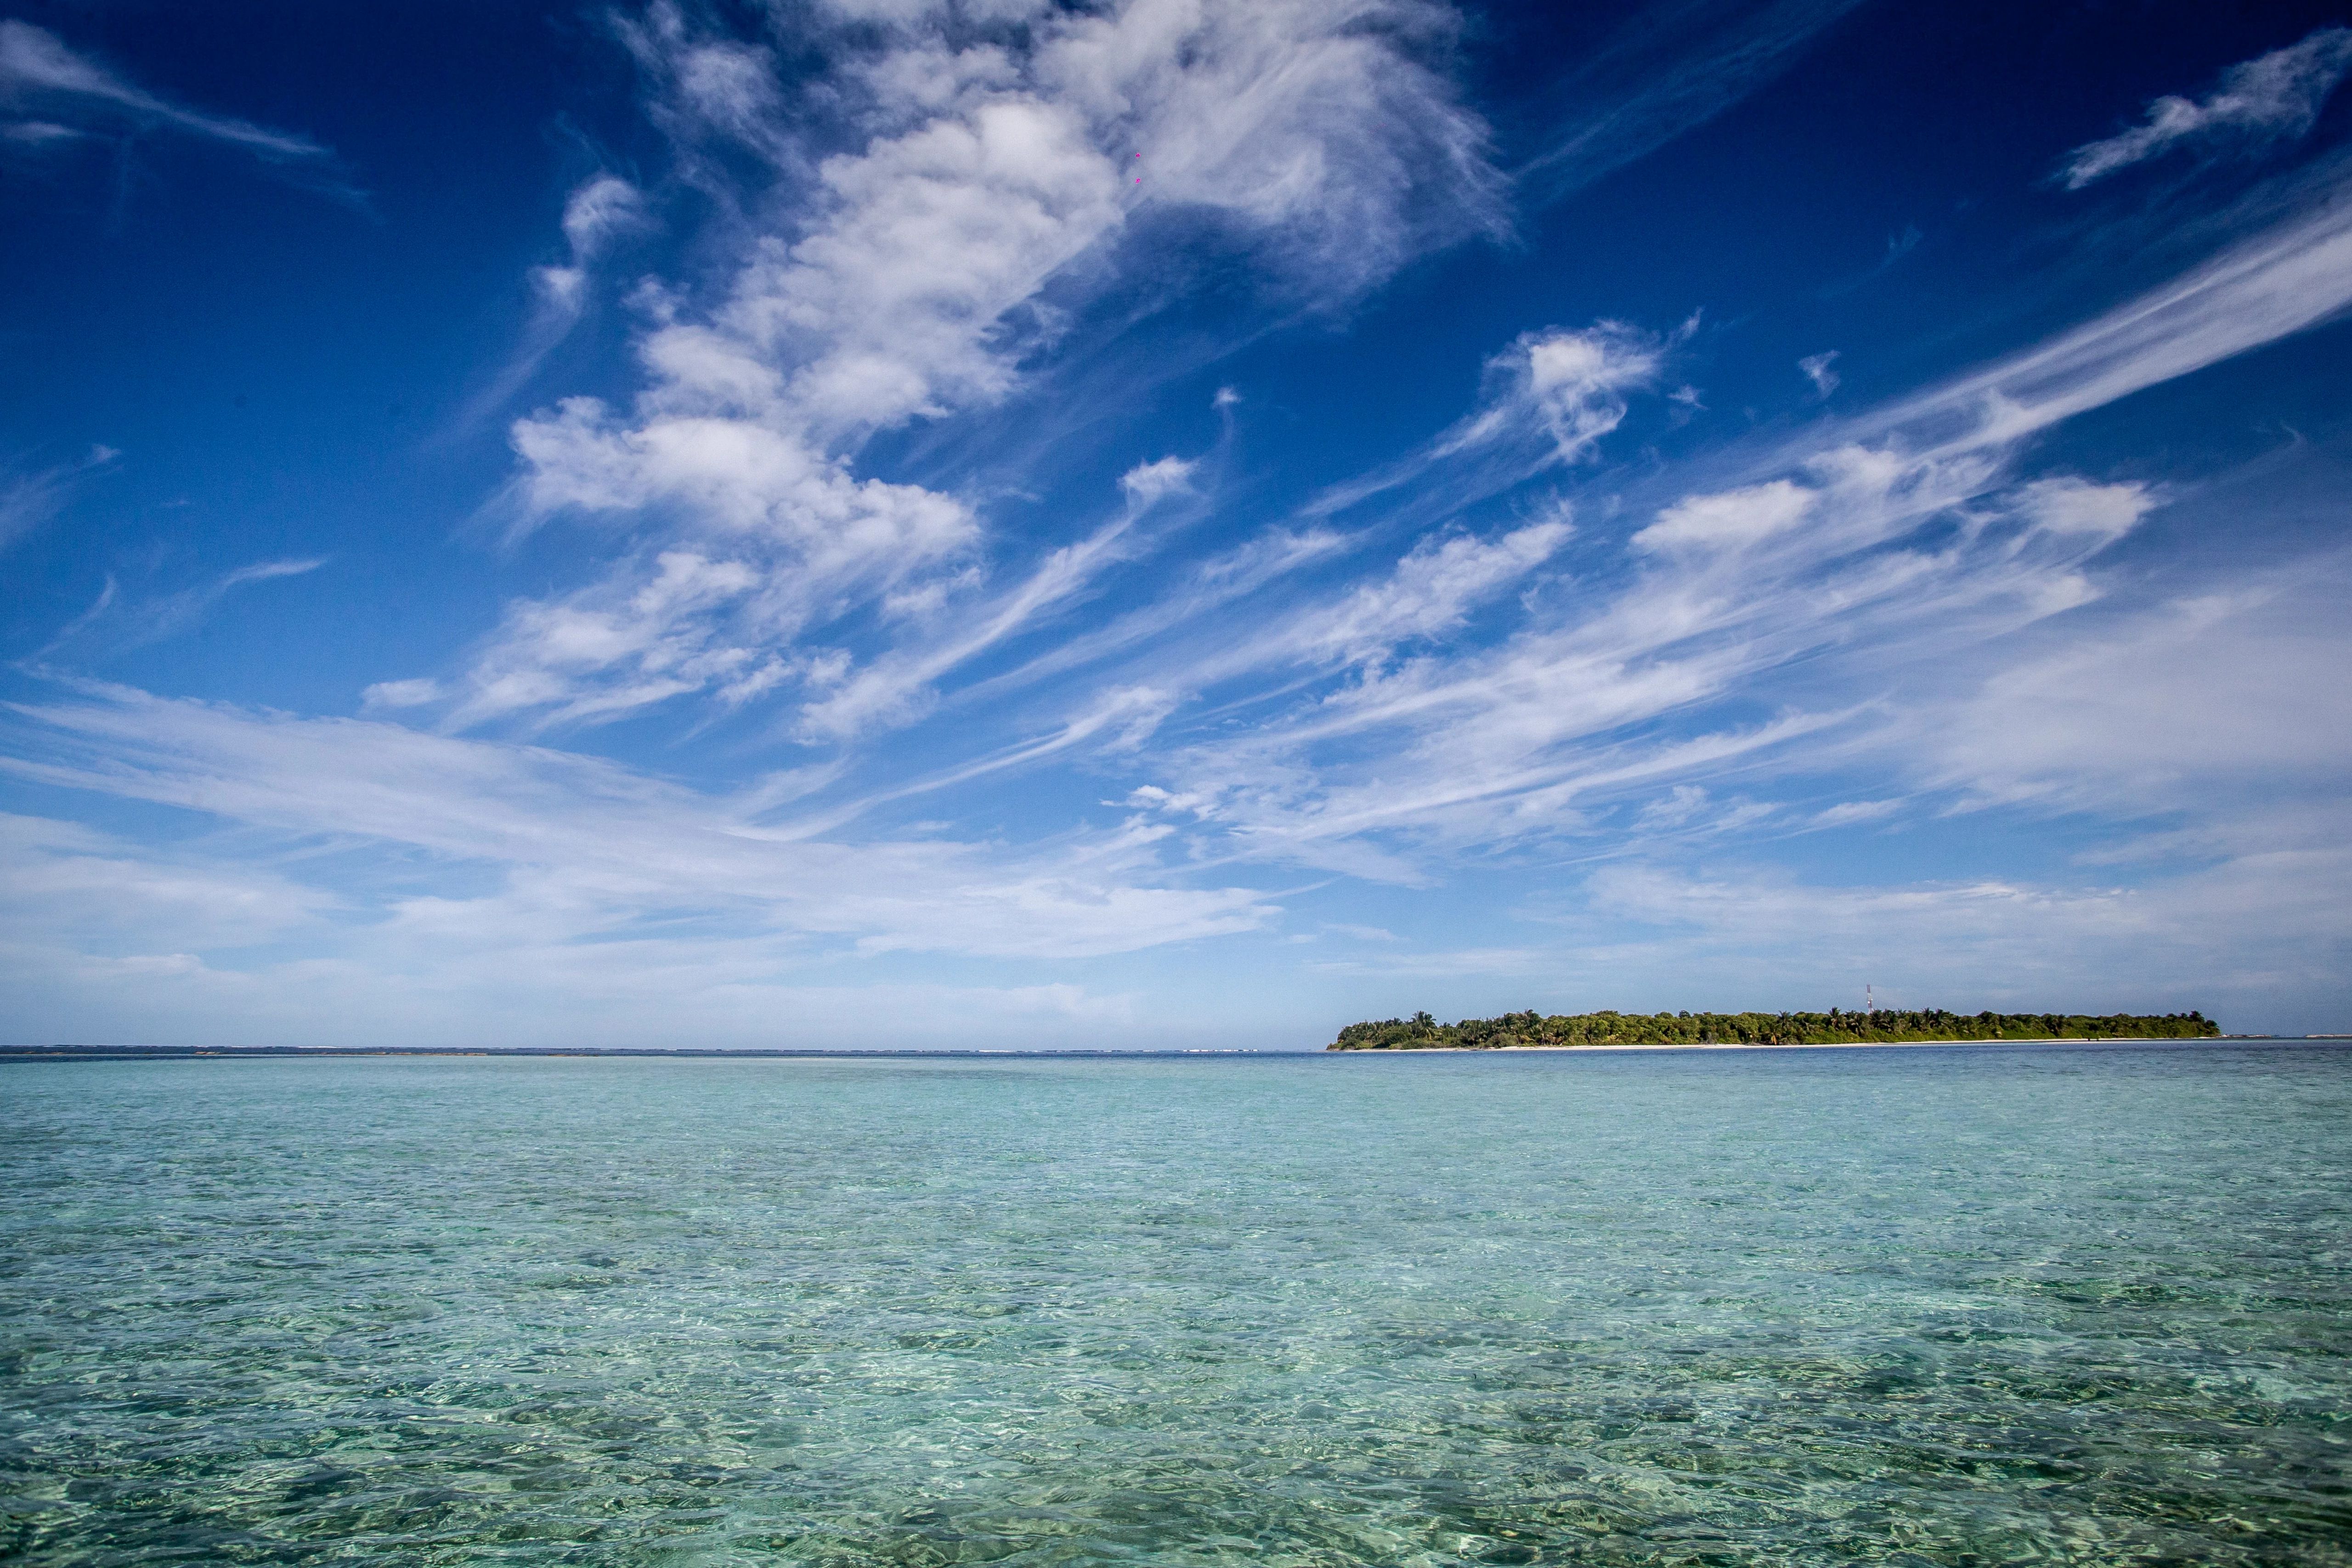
1884	1025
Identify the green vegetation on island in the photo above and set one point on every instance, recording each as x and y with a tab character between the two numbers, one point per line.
1884	1025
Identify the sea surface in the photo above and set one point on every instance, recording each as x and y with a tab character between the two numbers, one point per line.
1939	1306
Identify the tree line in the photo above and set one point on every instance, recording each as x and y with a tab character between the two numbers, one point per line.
1608	1027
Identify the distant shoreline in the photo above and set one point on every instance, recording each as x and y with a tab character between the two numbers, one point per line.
981	1053
1528	1030
1834	1045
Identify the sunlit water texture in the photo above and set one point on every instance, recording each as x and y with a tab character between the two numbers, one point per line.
1940	1306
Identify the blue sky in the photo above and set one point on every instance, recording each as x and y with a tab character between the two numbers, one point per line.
1184	523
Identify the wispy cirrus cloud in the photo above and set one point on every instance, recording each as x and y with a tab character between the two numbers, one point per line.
1816	368
2289	276
38	71
121	624
30	498
36	133
1909	528
600	211
891	687
67	881
104	937
1546	401
2229	689
2274	98
1883	541
1673	69
585	849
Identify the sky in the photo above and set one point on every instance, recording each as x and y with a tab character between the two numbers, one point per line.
1167	523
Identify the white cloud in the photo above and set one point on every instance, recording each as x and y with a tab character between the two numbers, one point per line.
1430	592
1731	518
1676	807
1817	371
2274	98
268	571
708	89
1848	811
1567	386
890	306
599	210
38	133
1427	594
892	688
1148	482
1310	125
2069	505
898	296
911	276
401	694
770	540
1546	401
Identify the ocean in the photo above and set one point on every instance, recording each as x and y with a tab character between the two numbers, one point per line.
1922	1306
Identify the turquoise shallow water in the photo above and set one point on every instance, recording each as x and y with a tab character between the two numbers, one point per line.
1932	1306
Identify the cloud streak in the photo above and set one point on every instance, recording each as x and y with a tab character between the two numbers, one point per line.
28	499
2285	280
124	626
588	850
600	210
2259	102
38	69
1672	69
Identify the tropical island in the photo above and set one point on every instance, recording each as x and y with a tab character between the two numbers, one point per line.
1886	1026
